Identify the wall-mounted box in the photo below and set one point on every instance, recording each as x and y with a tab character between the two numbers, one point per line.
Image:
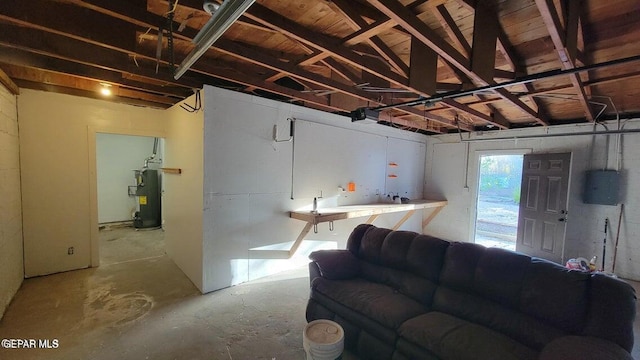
602	187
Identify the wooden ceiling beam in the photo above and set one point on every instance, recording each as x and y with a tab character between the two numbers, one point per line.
368	31
70	81
88	94
245	53
433	117
146	19
322	42
405	18
451	28
267	17
506	49
343	70
104	28
565	40
56	45
8	83
494	120
409	121
320	102
101	57
424	67
410	22
357	23
26	59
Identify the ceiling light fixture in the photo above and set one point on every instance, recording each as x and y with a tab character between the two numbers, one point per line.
222	18
105	89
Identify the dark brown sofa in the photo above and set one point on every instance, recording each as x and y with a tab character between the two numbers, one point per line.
401	295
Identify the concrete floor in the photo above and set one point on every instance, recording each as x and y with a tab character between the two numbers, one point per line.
120	244
148	309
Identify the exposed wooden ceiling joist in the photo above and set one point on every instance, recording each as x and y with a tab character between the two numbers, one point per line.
337	55
565	40
420	30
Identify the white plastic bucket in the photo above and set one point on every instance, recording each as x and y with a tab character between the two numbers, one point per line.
323	340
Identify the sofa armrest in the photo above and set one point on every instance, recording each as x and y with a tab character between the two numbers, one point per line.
583	347
335	264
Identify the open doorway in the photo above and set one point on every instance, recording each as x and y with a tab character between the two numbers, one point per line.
498	200
129	187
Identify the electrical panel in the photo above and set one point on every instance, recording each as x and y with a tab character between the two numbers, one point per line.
602	187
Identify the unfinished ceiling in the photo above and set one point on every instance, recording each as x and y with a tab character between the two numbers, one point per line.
338	55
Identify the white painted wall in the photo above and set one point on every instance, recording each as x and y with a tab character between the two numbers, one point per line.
247	185
11	264
182	204
116	158
447	173
59	196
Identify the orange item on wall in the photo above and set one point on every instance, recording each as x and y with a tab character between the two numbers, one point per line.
351	187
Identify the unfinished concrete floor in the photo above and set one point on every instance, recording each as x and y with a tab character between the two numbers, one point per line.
120	244
148	309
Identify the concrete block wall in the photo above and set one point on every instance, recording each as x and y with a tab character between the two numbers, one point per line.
11	252
451	172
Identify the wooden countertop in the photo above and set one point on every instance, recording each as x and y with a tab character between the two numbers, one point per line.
354	211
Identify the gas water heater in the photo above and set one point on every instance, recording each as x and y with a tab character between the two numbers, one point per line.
148	195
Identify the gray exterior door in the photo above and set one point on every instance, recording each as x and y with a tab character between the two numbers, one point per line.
543	203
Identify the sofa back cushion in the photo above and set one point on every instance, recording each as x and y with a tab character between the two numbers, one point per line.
511	322
371	244
556	295
411	285
421	255
404	260
612	310
538	288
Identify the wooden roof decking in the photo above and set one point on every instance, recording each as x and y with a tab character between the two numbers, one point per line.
338	55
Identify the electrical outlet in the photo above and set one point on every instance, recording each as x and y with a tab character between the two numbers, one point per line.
70	250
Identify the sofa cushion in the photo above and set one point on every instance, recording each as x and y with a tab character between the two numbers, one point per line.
521	327
536	287
555	295
336	264
499	276
353	242
612	310
426	256
377	301
408	251
319	302
371	244
583	347
452	338
460	263
414	286
394	249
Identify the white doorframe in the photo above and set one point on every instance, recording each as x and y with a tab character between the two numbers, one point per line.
474	172
94	244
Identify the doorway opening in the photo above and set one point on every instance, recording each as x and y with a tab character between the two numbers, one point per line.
129	186
498	200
